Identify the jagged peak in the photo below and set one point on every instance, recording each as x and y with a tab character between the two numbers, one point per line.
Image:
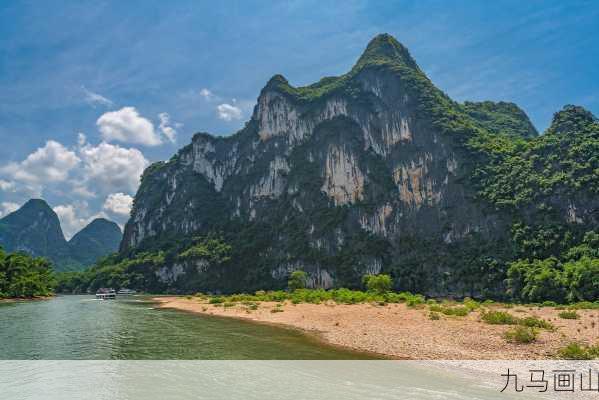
571	119
384	48
276	81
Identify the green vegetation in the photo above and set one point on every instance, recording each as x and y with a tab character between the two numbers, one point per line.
24	276
501	118
378	283
297	280
568	315
521	334
499	318
576	351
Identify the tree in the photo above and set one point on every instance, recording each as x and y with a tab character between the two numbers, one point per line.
297	280
381	283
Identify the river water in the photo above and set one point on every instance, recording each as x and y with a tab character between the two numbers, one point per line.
48	348
131	328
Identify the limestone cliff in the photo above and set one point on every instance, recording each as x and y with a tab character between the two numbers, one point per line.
367	172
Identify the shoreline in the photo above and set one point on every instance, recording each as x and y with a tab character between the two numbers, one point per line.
396	331
24	299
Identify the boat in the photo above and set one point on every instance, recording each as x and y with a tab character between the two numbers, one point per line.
105	294
126	292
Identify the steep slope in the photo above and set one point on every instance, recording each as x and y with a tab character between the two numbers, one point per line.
35	229
98	239
375	170
501	117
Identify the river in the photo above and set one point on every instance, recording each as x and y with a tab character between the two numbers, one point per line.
131	328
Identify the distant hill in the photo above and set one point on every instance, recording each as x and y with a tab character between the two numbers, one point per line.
99	238
35	229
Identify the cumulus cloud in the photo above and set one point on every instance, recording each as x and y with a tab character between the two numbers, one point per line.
119	204
165	127
228	112
109	168
95	98
51	163
70	222
128	126
6	207
6	186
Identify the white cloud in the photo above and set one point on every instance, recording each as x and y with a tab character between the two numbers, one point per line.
228	112
51	163
126	125
95	98
165	127
7	207
5	186
70	222
109	168
118	203
81	139
206	94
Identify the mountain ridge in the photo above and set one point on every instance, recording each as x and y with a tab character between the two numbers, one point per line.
35	229
373	171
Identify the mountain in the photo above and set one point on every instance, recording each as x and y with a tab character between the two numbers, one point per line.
98	239
35	229
373	171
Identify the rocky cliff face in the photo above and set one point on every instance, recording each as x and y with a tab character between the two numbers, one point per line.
362	173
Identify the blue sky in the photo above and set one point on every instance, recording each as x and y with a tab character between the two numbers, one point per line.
130	75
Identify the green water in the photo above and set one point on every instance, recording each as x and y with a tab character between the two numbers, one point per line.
83	328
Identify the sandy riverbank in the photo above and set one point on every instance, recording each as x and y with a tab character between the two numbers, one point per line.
398	331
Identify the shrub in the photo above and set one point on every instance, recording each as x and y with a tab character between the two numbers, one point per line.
297	280
381	283
434	316
576	351
499	318
521	334
216	300
534	322
549	303
228	304
457	311
568	314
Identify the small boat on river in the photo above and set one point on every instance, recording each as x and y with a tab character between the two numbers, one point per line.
105	294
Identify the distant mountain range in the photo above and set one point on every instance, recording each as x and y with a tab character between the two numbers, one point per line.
35	230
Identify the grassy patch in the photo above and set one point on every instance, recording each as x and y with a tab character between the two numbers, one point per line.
534	322
433	316
499	318
576	351
568	314
521	334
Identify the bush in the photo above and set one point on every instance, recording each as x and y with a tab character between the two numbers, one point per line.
216	300
521	334
381	283
297	280
499	318
434	316
568	314
534	322
576	351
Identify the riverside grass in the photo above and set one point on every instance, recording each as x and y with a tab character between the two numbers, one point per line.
348	296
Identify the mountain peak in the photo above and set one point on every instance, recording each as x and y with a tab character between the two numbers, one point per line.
383	49
36	204
572	119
